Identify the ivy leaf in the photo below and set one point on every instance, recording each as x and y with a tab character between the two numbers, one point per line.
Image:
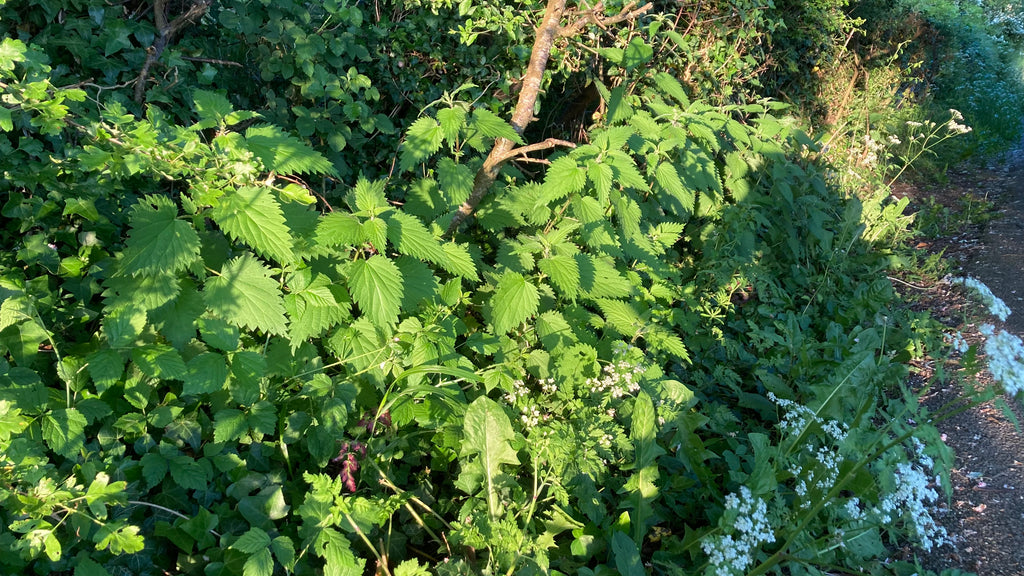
488	434
514	301
64	431
376	286
422	139
489	124
410	237
284	153
158	242
245	295
252	214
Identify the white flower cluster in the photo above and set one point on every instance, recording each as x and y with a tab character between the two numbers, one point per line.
732	553
996	306
826	459
910	501
618	379
799	417
954	125
1005	355
530	414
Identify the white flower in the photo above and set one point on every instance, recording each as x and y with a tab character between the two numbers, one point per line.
996	306
1005	354
731	553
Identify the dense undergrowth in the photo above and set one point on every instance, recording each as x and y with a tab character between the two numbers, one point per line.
241	333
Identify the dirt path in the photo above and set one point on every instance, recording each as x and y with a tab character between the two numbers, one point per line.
985	514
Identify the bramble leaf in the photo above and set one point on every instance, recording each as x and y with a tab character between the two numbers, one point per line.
246	296
64	431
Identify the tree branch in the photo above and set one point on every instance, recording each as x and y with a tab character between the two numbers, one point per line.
165	32
549	29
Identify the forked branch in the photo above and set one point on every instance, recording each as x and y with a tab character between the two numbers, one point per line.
549	29
165	33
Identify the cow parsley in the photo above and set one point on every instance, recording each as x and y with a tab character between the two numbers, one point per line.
1005	358
996	306
746	527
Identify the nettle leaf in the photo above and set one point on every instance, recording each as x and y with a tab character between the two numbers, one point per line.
123	325
422	139
621	316
314	310
564	273
64	431
159	361
489	124
452	121
669	181
229	425
376	232
158	241
564	177
245	295
455	180
259	564
412	238
515	300
284	153
340	229
459	262
376	286
252	214
488	435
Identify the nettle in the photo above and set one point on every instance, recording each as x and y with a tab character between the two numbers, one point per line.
209	369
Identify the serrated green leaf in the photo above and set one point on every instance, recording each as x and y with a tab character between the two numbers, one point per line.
376	287
600	175
284	551
410	237
87	567
263	417
212	107
123	325
252	541
154	468
259	564
158	241
455	180
246	296
119	538
11	420
420	283
252	215
106	367
229	425
563	178
340	229
187	472
459	261
64	431
421	140
669	85
206	373
514	301
285	154
621	316
637	53
248	368
490	125
564	273
452	120
218	333
376	232
159	361
315	310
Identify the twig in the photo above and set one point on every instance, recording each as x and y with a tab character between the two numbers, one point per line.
213	61
169	511
166	32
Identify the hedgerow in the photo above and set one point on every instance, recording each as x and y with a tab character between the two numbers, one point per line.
235	343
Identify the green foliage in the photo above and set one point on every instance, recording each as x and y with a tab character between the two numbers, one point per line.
210	365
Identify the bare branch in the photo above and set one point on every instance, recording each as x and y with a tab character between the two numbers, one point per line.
593	16
165	32
523	150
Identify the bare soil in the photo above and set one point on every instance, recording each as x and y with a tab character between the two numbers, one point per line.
985	512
